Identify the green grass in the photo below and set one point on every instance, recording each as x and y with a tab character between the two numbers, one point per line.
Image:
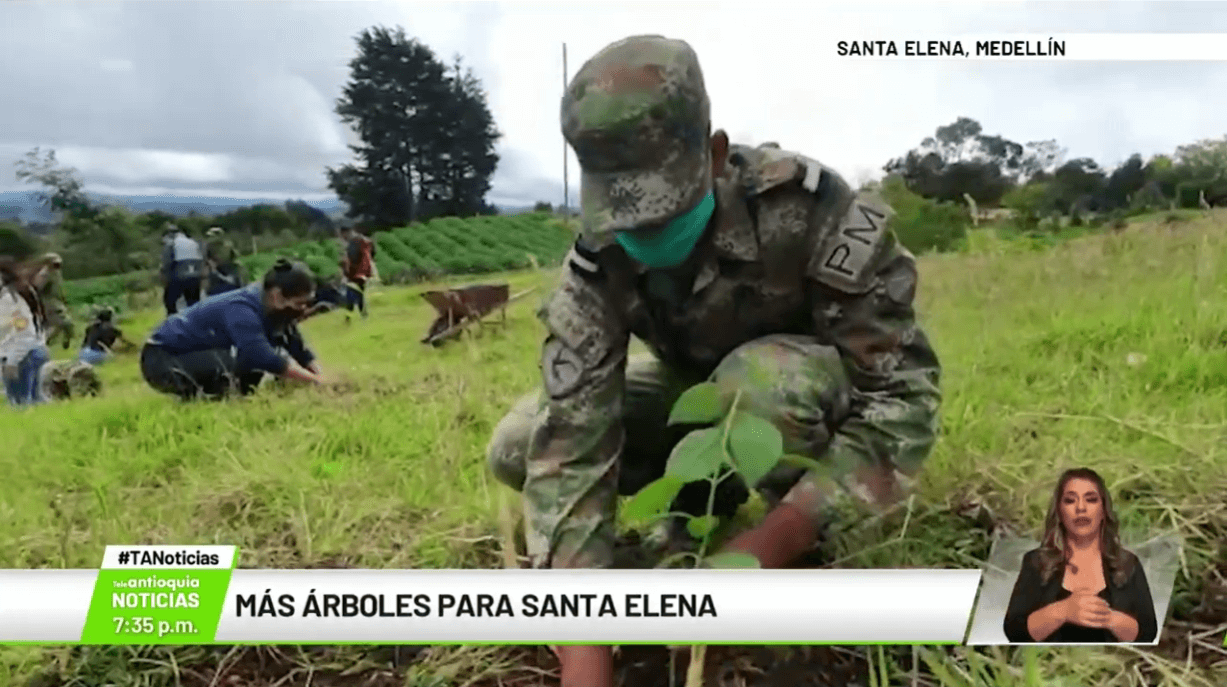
1108	351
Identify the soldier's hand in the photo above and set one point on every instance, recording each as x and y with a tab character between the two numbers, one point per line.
9	372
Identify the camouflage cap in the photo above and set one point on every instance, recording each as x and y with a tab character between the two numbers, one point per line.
639	120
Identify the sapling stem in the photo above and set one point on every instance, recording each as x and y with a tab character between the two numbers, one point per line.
714	478
698	652
694	671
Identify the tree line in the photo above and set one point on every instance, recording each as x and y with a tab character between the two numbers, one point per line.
960	160
961	170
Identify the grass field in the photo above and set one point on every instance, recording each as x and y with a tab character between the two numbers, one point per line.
1108	351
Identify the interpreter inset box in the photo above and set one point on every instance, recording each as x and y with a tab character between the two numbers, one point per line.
1081	583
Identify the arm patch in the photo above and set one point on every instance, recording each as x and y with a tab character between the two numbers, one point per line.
561	368
846	259
582	332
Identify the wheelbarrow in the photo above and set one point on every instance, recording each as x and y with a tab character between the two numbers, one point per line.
465	306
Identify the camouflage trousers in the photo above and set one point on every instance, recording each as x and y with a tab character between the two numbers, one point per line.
65	379
797	383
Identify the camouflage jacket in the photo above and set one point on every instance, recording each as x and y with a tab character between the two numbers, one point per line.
220	252
794	250
51	288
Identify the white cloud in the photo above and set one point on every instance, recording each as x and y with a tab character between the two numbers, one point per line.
135	166
205	191
262	112
117	65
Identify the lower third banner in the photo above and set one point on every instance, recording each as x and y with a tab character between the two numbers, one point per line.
192	595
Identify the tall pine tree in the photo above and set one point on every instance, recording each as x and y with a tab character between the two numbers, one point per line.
427	134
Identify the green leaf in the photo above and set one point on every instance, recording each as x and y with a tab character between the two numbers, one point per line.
701	526
804	462
668	561
701	404
697	456
756	446
731	559
653	499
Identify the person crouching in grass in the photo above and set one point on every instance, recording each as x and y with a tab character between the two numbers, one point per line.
329	296
100	338
226	343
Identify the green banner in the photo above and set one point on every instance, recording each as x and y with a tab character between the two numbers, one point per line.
156	606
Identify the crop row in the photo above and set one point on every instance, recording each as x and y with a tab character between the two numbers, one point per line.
448	245
471	246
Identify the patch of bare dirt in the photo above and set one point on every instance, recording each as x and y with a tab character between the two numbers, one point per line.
285	667
1193	643
726	666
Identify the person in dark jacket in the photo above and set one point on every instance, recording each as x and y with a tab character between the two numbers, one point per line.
183	270
1081	585
228	342
328	297
100	338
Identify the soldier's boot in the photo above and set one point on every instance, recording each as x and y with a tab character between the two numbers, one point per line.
67	379
83	380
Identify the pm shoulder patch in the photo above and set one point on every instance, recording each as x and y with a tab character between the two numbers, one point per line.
846	258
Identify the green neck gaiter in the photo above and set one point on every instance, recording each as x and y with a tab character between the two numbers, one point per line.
672	245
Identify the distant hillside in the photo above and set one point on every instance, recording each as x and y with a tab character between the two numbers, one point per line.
23	206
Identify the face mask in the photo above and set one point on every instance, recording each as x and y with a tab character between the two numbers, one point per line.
288	312
672	245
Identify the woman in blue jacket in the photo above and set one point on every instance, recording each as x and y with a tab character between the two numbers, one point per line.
228	342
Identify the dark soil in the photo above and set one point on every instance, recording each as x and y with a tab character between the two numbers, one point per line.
638	666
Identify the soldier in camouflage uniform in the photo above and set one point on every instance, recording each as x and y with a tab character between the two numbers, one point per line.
754	267
50	282
221	262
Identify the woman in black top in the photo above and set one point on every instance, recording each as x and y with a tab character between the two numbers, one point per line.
1080	585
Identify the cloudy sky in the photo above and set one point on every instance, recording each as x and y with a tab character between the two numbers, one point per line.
236	98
